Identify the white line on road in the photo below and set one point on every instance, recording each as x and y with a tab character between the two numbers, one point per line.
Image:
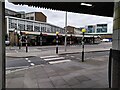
77	58
49	56
29	61
54	58
32	64
72	56
26	58
54	62
16	67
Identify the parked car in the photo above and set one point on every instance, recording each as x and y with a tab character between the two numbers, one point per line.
7	43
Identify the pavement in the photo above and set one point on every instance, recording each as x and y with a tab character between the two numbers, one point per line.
42	51
68	74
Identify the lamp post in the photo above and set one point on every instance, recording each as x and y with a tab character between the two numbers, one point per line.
65	31
57	42
83	31
26	42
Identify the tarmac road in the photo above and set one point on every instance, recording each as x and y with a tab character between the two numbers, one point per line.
18	63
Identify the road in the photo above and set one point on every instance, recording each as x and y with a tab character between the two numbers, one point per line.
18	63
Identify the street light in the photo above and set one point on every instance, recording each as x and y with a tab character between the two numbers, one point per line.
83	31
65	31
57	42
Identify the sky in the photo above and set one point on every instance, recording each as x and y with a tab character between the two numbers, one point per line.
58	17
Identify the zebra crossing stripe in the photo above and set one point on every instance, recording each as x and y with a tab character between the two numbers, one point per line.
54	58
49	56
29	61
72	56
32	64
61	61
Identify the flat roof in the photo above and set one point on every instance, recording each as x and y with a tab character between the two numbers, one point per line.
97	8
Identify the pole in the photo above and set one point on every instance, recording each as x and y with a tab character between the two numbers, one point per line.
66	31
14	38
20	39
41	39
2	47
56	43
83	48
26	44
93	40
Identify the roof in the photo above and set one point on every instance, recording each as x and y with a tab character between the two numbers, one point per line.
97	8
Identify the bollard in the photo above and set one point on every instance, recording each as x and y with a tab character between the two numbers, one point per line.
26	44
83	31
56	42
83	48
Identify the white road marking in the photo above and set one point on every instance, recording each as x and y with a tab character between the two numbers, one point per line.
72	56
49	56
55	62
32	64
26	58
16	51
77	58
29	61
54	58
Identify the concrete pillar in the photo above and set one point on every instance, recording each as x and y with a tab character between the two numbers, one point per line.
2	45
116	47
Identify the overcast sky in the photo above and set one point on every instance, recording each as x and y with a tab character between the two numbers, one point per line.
58	17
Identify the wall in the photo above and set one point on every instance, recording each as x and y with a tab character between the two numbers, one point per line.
39	16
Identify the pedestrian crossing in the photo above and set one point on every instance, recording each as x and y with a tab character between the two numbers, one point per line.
55	59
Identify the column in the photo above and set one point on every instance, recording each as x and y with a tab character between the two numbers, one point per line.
116	47
2	45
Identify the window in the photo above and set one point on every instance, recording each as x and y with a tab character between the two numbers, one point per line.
101	28
91	29
21	25
52	29
31	18
36	27
12	23
29	26
27	17
48	28
43	28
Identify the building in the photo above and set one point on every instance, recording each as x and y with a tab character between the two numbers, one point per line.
104	30
71	30
12	13
39	32
36	16
33	28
